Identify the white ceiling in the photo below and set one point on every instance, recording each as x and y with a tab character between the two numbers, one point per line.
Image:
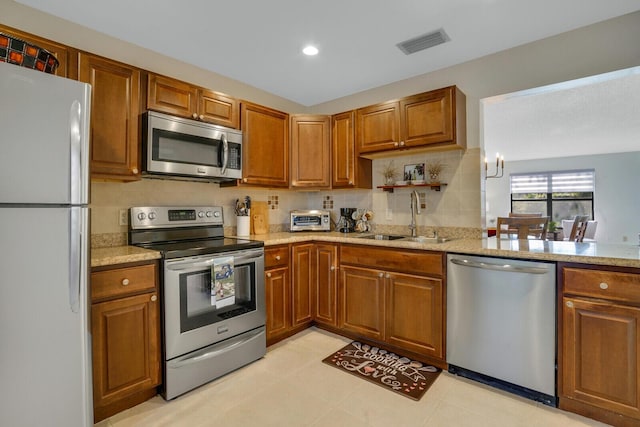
593	115
259	42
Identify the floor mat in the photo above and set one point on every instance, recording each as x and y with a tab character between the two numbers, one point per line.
407	377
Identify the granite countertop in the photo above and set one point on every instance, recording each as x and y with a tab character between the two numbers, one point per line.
589	253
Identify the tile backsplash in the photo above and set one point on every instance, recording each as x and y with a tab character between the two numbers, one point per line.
456	205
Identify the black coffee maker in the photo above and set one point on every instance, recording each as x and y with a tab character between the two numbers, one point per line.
346	223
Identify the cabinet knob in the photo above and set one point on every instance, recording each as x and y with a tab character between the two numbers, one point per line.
201	117
350	182
125	282
244	180
604	285
154	298
277	257
333	268
268	274
381	274
194	115
386	276
135	171
569	304
401	143
395	144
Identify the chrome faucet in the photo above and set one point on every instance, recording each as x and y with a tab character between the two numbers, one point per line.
415	210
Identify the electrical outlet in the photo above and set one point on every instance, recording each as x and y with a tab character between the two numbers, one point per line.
388	214
123	217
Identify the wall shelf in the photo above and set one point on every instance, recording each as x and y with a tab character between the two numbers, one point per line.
434	186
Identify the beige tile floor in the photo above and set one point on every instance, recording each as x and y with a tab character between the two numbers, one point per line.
290	386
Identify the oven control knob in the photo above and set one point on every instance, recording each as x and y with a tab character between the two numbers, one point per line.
142	216
152	215
200	214
216	214
209	214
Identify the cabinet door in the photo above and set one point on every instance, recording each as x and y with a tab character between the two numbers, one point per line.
348	169
377	127
310	152
126	347
414	313
265	145
427	118
302	282
601	355
278	301
219	109
172	96
115	108
64	54
362	301
326	283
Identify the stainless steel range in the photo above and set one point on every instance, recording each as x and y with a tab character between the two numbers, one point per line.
212	290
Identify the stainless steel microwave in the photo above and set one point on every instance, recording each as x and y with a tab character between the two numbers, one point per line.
174	147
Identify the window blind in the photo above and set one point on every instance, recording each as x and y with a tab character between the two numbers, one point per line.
553	182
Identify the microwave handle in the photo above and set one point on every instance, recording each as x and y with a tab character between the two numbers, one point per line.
225	153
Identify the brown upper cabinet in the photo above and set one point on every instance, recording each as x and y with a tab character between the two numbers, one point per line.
348	170
265	144
310	152
434	120
175	97
64	54
115	112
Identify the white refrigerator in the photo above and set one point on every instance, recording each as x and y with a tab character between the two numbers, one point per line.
45	338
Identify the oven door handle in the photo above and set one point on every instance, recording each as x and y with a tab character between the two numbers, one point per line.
191	265
215	350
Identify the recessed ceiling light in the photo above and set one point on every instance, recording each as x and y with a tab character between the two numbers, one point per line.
310	50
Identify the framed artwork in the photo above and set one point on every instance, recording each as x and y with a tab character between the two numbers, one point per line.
414	172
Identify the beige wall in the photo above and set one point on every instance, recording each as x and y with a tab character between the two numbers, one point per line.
599	48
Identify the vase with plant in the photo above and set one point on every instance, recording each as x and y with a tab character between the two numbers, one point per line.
389	173
434	169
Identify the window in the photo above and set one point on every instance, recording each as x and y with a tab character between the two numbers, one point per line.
558	195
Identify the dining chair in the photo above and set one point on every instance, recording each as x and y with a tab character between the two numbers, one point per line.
523	227
578	228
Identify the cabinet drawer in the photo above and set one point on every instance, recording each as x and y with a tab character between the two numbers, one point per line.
610	285
403	260
122	281
276	256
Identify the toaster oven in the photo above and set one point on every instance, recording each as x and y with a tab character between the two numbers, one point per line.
310	220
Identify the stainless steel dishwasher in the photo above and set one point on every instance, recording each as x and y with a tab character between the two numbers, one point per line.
501	324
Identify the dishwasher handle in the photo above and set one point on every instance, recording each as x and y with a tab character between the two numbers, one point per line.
499	267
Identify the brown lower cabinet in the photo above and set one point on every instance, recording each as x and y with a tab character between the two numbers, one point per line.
394	296
125	324
599	343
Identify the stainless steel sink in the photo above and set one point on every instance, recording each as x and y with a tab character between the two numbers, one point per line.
383	237
418	239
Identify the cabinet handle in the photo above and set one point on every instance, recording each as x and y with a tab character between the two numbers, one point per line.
277	257
135	171
268	274
194	115
154	298
604	285
569	304
125	282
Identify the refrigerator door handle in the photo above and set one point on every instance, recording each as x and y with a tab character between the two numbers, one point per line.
75	148
75	267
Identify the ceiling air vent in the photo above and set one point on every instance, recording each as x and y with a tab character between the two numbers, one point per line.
423	42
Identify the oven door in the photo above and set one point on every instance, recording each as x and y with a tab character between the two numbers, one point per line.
199	312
